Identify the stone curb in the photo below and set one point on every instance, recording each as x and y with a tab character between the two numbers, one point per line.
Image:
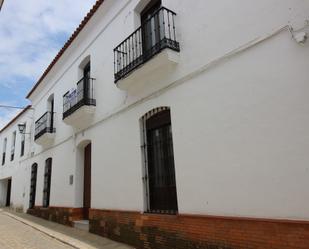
55	235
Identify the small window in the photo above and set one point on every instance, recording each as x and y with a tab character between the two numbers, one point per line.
158	152
13	145
22	143
47	182
4	150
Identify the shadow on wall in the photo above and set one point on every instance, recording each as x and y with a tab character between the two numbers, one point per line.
5	192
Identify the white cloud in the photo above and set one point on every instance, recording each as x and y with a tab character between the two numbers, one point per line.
31	33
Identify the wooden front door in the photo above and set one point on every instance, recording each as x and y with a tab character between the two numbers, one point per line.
8	195
87	180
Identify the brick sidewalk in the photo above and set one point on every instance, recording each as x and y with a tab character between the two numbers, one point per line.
23	231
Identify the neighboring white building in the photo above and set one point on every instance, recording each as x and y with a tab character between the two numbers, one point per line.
15	150
1	3
172	124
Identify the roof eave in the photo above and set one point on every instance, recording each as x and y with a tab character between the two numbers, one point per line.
15	118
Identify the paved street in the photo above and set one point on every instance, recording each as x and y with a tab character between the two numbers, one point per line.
16	235
23	231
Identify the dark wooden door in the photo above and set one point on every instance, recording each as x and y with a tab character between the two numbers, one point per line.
8	195
87	181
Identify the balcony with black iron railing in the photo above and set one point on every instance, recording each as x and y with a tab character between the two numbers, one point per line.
44	125
154	35
79	104
83	95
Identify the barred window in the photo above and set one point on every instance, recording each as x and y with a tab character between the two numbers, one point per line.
22	143
47	181
13	145
158	152
34	169
4	151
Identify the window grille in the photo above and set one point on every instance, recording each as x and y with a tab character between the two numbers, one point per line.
47	182
33	179
158	153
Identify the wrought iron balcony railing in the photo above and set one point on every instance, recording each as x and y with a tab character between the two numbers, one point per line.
81	96
45	124
155	34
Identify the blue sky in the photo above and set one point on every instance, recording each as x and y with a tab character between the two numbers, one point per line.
31	33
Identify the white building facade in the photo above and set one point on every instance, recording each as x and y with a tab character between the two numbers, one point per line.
172	124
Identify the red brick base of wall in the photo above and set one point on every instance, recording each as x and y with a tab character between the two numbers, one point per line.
62	215
154	231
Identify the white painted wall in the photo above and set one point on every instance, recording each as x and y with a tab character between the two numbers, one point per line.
239	122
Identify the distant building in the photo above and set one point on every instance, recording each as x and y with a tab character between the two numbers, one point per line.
171	124
1	3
